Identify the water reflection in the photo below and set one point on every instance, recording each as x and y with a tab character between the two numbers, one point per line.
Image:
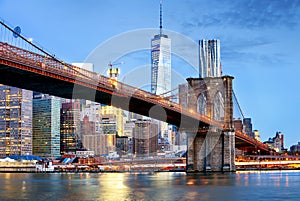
150	186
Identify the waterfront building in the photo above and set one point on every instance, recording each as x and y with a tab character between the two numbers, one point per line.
70	137
15	121
91	132
145	138
209	58
46	125
277	142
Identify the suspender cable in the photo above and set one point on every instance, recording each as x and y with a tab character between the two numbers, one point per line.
240	109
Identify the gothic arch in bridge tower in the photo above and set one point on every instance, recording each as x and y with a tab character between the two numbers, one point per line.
218	107
202	104
207	97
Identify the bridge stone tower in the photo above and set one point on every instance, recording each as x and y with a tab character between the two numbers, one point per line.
210	148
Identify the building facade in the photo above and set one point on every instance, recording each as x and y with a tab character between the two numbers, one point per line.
145	138
160	64
91	131
109	128
209	58
70	137
15	121
277	142
46	126
247	122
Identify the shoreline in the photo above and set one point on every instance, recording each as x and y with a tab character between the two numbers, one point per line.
145	171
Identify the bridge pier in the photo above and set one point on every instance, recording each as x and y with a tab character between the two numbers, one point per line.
211	148
213	151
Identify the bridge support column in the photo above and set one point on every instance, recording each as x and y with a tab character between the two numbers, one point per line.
213	151
211	148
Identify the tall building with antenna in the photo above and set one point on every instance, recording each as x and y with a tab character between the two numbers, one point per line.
160	61
161	70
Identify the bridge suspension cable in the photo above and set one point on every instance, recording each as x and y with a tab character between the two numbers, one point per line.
239	107
11	36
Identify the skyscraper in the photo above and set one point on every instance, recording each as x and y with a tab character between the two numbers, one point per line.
15	121
70	137
161	67
248	126
46	126
209	58
145	138
160	61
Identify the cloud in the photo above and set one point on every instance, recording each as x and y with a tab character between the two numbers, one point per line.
244	14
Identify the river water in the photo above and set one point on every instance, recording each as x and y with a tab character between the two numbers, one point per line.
268	185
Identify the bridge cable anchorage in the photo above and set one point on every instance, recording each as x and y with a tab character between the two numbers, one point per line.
239	107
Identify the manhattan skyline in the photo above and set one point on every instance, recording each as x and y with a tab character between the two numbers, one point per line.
259	44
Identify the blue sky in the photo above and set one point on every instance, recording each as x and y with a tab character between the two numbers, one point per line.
260	44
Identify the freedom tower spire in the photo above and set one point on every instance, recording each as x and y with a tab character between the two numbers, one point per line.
160	60
160	18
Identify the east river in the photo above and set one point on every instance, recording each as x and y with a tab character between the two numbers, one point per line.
267	185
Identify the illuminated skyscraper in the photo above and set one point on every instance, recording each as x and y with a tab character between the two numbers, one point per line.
209	58
161	68
70	137
46	126
160	61
15	121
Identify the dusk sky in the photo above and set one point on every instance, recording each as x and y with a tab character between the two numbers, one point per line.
260	45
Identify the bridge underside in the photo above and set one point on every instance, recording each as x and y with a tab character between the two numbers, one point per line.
250	149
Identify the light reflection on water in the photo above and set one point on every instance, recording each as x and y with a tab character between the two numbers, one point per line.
269	185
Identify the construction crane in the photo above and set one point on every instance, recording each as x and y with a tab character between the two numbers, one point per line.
115	64
114	72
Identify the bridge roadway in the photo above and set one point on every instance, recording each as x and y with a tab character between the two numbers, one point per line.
28	70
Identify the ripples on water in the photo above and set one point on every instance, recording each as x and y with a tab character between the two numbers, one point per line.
269	185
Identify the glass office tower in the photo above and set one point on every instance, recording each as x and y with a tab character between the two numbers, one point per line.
15	121
161	64
70	136
46	126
